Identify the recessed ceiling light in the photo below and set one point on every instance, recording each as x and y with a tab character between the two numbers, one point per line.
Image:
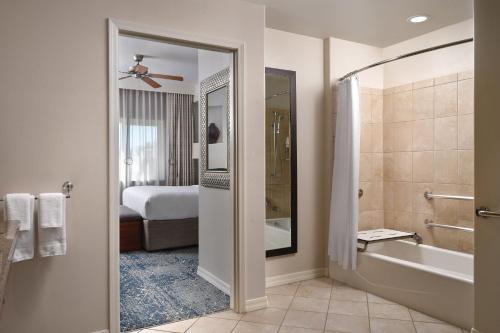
418	18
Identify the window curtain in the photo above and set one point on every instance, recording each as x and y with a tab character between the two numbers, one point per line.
156	136
342	244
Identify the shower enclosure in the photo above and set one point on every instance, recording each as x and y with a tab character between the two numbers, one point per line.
281	208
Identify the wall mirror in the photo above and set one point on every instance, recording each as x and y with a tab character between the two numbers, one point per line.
281	163
215	120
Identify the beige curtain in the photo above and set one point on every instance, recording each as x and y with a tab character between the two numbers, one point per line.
180	133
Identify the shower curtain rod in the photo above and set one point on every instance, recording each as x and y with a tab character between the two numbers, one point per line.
411	54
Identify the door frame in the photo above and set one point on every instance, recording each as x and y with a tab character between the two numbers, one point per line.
115	28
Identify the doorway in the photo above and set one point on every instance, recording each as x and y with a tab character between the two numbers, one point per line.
169	268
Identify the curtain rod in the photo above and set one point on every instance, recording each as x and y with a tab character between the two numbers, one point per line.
411	54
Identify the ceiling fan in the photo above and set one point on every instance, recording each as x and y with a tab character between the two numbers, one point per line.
139	71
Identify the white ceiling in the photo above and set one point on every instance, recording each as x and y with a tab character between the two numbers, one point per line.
374	22
160	57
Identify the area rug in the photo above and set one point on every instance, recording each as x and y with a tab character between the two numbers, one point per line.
161	287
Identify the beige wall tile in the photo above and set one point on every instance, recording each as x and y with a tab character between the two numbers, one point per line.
420	204
446	210
445	133
466	167
446	239
445	100
423	135
402	106
377	200
404	87
377	167
446	167
389	219
366	108
377	101
389	195
423	84
365	202
403	196
466	242
388	106
418	225
466	96
388	137
402	220
445	79
366	138
403	136
378	137
365	167
466	75
466	131
466	208
402	166
423	167
423	103
377	219
389	166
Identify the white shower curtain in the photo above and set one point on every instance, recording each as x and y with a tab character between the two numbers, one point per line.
342	245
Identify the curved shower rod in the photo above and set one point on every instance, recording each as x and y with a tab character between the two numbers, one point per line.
411	54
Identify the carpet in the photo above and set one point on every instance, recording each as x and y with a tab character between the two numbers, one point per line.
162	287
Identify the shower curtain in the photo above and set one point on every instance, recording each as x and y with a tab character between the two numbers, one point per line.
342	245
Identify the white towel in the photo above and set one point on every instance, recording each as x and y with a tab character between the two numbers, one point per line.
19	208
51	210
52	225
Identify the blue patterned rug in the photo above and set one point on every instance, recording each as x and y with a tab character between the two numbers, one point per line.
161	287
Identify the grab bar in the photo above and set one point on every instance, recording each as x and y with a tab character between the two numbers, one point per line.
430	224
429	196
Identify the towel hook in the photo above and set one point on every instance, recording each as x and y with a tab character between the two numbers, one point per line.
67	187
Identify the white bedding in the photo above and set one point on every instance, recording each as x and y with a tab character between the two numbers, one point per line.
162	202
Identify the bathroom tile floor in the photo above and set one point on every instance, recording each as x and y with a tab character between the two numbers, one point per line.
315	306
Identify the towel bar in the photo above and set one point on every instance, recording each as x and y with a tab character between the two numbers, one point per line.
66	188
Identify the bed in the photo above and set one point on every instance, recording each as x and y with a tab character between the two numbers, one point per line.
170	214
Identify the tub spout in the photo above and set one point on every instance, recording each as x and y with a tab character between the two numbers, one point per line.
417	238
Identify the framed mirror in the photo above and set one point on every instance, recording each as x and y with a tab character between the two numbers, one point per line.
215	126
281	163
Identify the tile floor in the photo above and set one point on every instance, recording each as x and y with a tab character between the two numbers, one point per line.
315	306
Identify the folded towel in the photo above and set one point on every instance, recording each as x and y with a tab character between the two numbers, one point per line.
52	240
51	210
19	208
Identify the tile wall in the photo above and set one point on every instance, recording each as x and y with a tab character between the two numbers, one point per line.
415	138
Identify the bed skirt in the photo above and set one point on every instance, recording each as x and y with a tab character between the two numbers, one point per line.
168	234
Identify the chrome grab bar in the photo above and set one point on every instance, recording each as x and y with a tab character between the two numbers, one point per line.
485	212
429	196
430	224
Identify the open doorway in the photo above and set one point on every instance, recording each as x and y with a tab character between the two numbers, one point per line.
173	115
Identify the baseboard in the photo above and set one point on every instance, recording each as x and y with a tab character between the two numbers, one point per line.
218	283
256	304
295	277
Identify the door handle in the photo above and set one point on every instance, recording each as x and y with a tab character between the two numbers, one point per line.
486	212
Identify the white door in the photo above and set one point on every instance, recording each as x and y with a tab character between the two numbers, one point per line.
487	165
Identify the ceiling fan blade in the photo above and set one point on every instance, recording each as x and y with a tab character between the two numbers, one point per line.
151	82
125	77
140	69
167	77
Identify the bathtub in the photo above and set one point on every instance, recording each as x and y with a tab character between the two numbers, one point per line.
428	279
278	233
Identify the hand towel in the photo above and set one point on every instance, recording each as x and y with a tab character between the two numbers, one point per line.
52	240
19	208
51	210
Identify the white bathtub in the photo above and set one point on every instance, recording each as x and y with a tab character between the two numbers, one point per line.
278	233
425	278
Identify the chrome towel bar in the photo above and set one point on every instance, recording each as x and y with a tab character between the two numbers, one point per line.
429	196
66	188
431	224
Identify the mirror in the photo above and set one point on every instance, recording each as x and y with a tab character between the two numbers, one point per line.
215	115
281	163
216	129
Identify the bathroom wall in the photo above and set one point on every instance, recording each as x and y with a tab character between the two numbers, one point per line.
58	130
428	146
304	55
